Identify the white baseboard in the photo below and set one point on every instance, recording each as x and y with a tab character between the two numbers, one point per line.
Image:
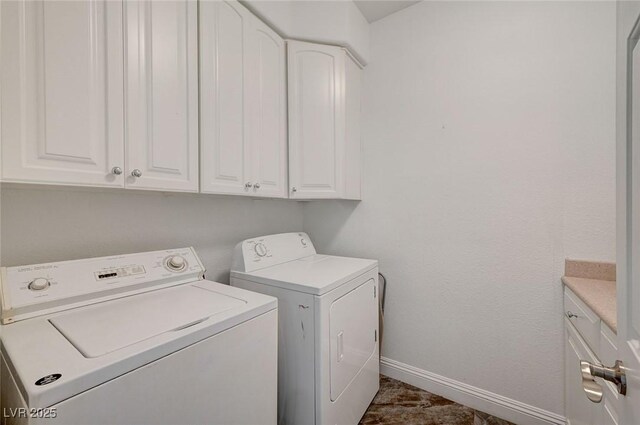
476	398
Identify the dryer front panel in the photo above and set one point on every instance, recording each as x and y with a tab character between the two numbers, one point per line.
353	322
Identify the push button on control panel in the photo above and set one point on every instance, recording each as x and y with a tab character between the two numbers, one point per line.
38	284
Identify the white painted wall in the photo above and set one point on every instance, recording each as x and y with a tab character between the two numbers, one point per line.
489	157
337	22
54	224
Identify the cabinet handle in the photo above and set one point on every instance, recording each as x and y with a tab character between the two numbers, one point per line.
294	189
247	185
136	173
116	170
571	315
256	186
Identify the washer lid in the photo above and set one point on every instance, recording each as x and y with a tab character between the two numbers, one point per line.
35	350
107	327
316	274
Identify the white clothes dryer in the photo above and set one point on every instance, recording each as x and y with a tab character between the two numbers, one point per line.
328	358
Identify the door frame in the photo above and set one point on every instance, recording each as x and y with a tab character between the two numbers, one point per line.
628	206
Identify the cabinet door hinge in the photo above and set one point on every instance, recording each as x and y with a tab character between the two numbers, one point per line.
374	292
375	335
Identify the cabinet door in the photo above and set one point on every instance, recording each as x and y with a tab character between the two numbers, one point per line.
61	90
225	158
316	120
266	125
578	409
162	95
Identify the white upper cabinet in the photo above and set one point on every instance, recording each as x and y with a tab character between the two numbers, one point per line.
174	95
268	117
161	103
316	120
242	103
62	89
324	122
224	160
95	92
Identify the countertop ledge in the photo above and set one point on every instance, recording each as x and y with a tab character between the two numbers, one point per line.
598	295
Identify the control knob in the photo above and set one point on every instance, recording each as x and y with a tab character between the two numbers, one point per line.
260	249
176	262
38	284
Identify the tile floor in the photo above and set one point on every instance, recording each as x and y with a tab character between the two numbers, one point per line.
400	403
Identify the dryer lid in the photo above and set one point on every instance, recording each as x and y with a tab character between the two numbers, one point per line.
103	328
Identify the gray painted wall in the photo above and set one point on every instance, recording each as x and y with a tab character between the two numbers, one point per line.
42	224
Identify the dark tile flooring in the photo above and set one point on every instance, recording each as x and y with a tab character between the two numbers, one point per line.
400	403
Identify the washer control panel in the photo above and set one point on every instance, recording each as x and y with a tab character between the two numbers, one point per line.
28	290
265	251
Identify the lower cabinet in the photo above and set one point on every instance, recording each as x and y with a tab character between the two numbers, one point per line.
579	410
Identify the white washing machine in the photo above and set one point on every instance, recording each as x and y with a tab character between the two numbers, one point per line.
328	366
135	339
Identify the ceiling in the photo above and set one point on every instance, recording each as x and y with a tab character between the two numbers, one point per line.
378	9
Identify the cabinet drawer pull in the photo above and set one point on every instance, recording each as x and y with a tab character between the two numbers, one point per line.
116	170
571	315
136	173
